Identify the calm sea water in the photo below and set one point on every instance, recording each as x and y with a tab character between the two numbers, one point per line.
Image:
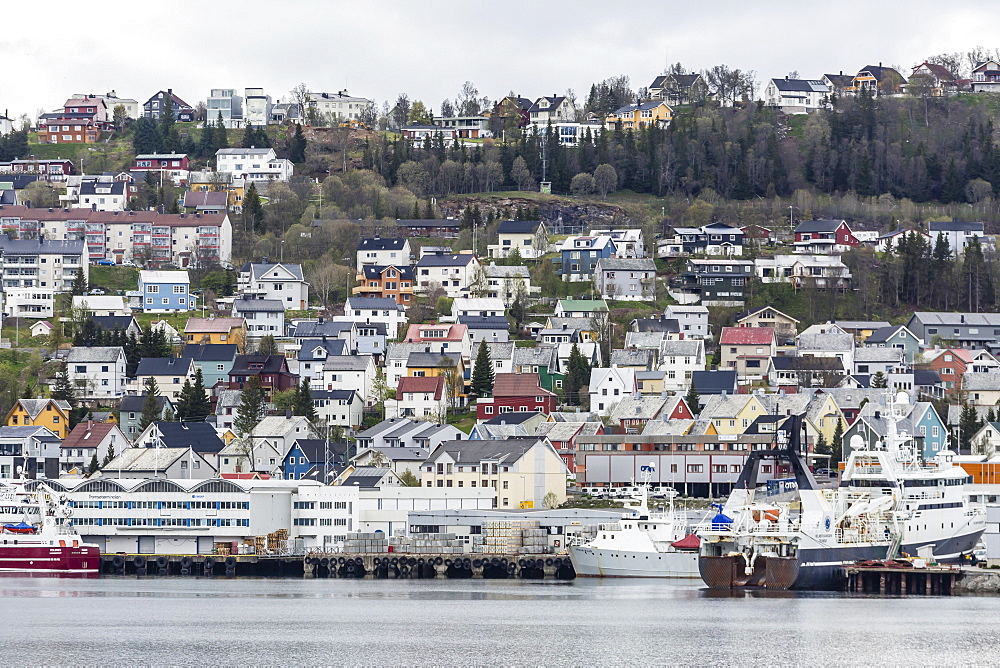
195	621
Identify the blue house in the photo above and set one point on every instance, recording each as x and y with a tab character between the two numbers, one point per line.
898	338
307	454
214	359
163	291
580	256
925	426
371	338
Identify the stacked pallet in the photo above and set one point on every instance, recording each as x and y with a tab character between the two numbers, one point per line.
366	542
512	537
277	540
429	543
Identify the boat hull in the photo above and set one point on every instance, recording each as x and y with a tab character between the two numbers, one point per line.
603	563
46	559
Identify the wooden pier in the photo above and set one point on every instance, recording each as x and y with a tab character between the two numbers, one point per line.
903	580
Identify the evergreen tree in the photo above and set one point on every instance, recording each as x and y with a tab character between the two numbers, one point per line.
837	446
968	425
693	399
249	137
200	406
297	146
146	137
92	469
304	403
879	381
267	345
991	416
253	211
482	373
79	283
184	401
429	211
251	408
150	406
109	456
577	375
132	355
220	138
62	390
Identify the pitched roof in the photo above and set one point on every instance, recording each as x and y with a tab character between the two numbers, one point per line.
876	354
132	403
660	324
506	451
627	264
94	354
163	366
433	360
212	325
450	260
34	407
538	356
713	382
980	382
514	417
582	305
828	341
801	85
258	306
247	365
747	336
518	226
201	436
375	271
374	303
643	357
518	385
259	270
818	226
484	322
211	352
433	385
955	226
638	408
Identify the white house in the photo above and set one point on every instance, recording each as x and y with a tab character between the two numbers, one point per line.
263	316
692	319
253	164
609	386
455	273
168	372
796	96
508	283
98	372
628	242
384	252
342	408
275	280
547	110
679	360
626	279
351	372
366	310
88	439
101	305
477	307
419	398
958	234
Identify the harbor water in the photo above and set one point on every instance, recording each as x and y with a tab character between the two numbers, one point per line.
248	621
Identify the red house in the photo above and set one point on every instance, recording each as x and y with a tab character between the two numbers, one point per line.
824	236
563	437
272	370
515	392
950	363
755	231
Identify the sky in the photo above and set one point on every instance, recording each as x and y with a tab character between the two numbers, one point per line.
428	49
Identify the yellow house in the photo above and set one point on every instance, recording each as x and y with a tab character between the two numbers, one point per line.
218	182
823	414
215	330
49	413
732	414
642	115
432	365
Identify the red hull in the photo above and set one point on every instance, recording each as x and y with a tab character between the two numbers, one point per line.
85	559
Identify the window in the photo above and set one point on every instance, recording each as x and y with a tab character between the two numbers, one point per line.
695	468
152	289
179	290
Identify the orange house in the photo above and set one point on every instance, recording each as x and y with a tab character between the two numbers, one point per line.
49	413
68	131
385	281
215	330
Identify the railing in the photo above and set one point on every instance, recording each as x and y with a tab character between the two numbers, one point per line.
612	526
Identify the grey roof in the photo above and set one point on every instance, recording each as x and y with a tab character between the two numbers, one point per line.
650	340
818	226
40	246
367	477
849	397
801	85
506	451
450	260
954	226
331	346
958	319
683	348
793	363
713	382
985	382
504	271
860	324
883	334
518	226
499	350
314	329
627	264
484	322
538	356
35	406
258	306
661	324
829	341
211	352
570	323
643	357
132	403
401	350
515	417
500	431
94	354
633	408
422	359
259	269
877	354
163	366
379	243
377	303
201	436
347	363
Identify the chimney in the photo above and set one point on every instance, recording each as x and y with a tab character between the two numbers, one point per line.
288	413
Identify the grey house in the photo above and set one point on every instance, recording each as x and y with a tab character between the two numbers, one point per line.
626	279
975	331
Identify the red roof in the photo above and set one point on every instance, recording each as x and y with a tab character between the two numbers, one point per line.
78	437
518	385
433	384
414	333
688	542
747	336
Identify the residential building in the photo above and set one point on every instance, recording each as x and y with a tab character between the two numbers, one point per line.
61	128
515	392
97	373
692	320
489	328
272	370
824	236
224	104
256	107
785	326
921	422
579	256
822	272
477	307
890	241
508	283
708	383
957	233
420	398
869	361
98	193
312	354
877	80
351	372
446	337
714	282
275	280
453	273
52	169
797	96
899	338
164	291
205	202
626	280
215	330
258	165
747	350
811	343
28	452
102	306
214	360
981	389
394	433
439	228
711	239
164	166
522	471
466	127
628	241
541	360
860	329
375	310
34	270
789	373
529	237
679	89
339	408
130	412
680	360
609	386
384	252
153	107
950	364
389	281
89	440
111	100
53	414
314	458
633	413
656	113
263	316
339	106
986	77
581	308
973	331
551	109
170	373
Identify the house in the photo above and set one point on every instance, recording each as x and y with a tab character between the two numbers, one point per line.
489	328
281	431
153	107
824	236
877	80
395	433
375	311
860	329
637	359
196	201
973	331
921	422
890	241
384	252
747	350
263	316
981	389
101	305
446	337
314	458
581	308
579	256
529	237
591	352
168	372
784	326
214	360
541	360
423	135
957	233
501	354
253	165
272	370
226	406
439	228
31	450
97	373
456	274
477	307
429	364
563	437
838	83
714	282
629	242
711	239
41	328
278	281
822	272
515	392
899	338
351	372
339	106
27	292
216	330
837	344
173	167
609	386
656	113
633	413
796	96
692	320
312	354
680	360
668	328
166	463
679	89
339	408
466	127
787	373
508	283
650	383
127	324
987	439
53	414
552	109
869	361
385	281
87	440
130	412
986	77
733	414
62	128
523	471
626	280
165	291
101	193
950	364
419	398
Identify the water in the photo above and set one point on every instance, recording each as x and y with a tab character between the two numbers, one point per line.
245	621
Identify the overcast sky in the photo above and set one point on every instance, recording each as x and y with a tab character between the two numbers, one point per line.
428	49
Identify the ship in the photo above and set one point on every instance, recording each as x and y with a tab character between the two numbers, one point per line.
44	541
642	544
889	504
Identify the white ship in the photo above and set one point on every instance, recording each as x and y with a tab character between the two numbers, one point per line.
642	544
889	504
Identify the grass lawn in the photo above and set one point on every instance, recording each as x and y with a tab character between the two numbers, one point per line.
114	279
463	421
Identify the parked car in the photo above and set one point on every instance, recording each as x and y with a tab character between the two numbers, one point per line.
129	263
96	291
105	263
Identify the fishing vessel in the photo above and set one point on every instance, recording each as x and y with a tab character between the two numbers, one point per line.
44	541
889	504
642	543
